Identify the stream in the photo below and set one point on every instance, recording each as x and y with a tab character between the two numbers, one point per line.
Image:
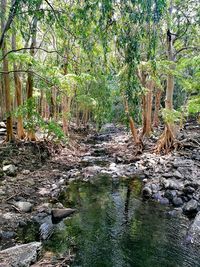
114	227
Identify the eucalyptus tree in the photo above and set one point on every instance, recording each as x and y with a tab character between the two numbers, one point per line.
181	31
6	78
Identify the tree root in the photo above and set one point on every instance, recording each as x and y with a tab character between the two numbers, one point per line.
167	141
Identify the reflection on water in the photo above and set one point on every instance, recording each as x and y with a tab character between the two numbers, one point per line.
114	228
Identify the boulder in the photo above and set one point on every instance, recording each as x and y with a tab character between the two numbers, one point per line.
24	206
1	173
178	175
193	235
171	184
58	215
20	255
177	201
188	190
191	207
10	170
146	192
164	201
170	194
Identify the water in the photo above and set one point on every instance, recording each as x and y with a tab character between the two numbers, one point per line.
115	228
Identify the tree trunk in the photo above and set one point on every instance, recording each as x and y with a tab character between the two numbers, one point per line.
18	93
2	98
135	135
156	120
167	140
30	83
10	136
147	109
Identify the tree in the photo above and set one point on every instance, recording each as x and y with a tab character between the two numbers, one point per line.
6	78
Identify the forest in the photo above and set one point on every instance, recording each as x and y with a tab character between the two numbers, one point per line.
100	133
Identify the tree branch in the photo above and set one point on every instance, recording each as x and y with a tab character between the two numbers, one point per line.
29	48
12	13
187	48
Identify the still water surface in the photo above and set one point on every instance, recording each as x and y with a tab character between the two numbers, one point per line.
115	228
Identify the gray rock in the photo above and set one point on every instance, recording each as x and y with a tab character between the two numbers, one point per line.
26	172
1	173
2	124
164	201
182	163
171	184
191	207
188	190
2	192
193	235
58	215
20	255
91	171
24	206
157	196
155	188
10	170
170	194
177	201
7	235
146	192
178	175
167	175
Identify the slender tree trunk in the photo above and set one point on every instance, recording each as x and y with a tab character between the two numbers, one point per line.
132	124
66	102
18	93
31	132
156	120
10	136
147	109
167	140
2	98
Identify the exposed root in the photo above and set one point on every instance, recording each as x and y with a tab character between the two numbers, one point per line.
167	141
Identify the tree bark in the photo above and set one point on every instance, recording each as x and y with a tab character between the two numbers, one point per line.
156	120
31	131
18	93
166	141
10	136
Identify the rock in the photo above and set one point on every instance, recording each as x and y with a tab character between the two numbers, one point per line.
182	163
188	190
155	188
91	171
157	196
20	255
7	235
2	124
30	182
178	175
170	194
167	175
175	212
2	192
146	192
24	206
1	173
193	235
164	201
58	215
26	172
171	184
191	207
10	170
177	201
